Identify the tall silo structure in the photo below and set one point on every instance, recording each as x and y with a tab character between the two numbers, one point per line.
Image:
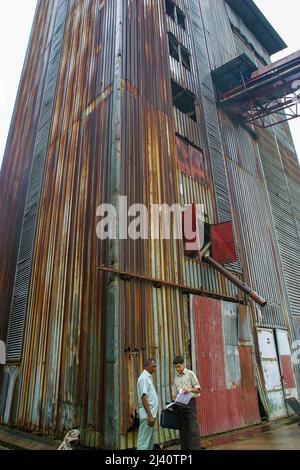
148	100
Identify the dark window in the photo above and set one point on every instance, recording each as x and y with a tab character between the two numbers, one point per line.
170	8
184	101
185	58
180	18
173	47
175	13
179	52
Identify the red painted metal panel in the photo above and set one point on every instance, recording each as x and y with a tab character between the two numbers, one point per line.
191	161
213	407
223	248
183	157
221	410
249	389
288	372
243	326
198	165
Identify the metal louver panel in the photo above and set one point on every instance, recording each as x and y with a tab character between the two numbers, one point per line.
283	201
214	137
26	248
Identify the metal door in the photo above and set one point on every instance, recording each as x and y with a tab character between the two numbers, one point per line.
272	376
286	364
225	369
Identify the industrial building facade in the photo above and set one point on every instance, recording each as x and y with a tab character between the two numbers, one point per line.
120	97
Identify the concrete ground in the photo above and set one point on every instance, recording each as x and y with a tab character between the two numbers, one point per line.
282	435
284	438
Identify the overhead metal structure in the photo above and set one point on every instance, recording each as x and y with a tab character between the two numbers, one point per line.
253	95
258	24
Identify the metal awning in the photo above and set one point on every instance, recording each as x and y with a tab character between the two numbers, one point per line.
271	90
234	73
258	24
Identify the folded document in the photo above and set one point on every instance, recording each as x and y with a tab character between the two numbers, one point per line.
183	398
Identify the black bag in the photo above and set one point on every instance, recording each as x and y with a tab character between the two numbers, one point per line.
295	405
170	419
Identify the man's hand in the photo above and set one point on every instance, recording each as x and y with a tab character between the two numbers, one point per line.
191	390
151	421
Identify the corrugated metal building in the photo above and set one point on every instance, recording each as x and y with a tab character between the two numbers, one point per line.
117	98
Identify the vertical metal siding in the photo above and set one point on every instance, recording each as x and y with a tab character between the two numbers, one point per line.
273	154
250	37
231	342
260	254
203	16
24	263
62	368
218	32
15	170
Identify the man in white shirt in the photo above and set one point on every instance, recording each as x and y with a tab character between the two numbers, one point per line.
187	381
148	406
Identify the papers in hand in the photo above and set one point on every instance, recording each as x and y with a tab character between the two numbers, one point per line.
183	398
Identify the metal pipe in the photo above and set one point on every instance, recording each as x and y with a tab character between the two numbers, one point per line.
241	285
127	276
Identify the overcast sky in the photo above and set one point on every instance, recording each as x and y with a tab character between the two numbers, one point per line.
15	24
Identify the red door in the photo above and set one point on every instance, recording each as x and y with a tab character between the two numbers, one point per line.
225	369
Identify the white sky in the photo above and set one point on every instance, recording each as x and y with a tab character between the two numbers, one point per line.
15	24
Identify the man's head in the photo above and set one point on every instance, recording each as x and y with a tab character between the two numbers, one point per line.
150	365
179	364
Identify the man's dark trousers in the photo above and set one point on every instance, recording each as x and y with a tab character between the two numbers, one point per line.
189	428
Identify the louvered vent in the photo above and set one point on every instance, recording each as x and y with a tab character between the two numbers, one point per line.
26	249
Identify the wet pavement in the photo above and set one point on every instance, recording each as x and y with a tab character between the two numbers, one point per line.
284	438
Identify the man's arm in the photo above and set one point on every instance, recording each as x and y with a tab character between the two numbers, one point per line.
192	390
196	388
174	392
145	402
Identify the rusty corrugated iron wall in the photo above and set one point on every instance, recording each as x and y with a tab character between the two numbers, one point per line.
282	174
103	125
252	212
150	175
225	362
60	376
264	211
14	174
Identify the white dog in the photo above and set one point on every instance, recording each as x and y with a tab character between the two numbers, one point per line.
70	440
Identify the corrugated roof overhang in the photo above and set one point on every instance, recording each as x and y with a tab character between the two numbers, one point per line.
258	25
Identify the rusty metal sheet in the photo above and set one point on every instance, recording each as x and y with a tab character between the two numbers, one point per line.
223	247
62	368
199	170
19	303
286	364
288	372
249	396
221	408
184	164
16	164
